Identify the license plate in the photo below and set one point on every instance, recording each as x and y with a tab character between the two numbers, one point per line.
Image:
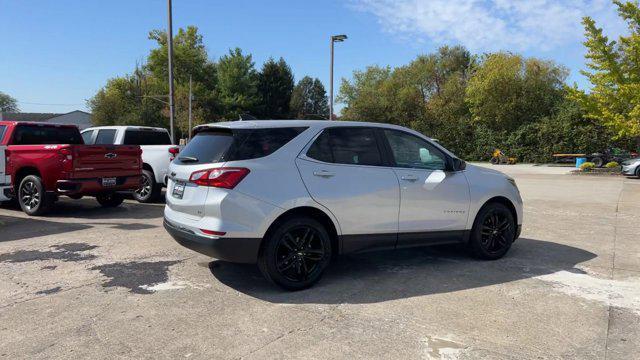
178	190
109	182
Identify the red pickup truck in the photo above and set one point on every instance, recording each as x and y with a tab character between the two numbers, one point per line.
43	161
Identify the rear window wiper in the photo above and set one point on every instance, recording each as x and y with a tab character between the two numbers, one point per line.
188	159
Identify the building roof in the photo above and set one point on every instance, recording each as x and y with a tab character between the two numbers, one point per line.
30	117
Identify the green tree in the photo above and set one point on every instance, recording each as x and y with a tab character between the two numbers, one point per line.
237	84
8	103
507	91
275	85
614	72
309	100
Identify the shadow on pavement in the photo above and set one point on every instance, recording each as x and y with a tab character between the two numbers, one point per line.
14	228
88	208
383	276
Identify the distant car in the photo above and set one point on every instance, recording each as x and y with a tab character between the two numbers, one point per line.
290	195
45	161
157	153
631	167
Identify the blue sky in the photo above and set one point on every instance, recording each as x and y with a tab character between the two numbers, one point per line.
59	53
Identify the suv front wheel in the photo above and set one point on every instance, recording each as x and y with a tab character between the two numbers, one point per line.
296	253
493	232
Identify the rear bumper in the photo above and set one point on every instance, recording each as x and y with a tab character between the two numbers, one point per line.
237	250
94	186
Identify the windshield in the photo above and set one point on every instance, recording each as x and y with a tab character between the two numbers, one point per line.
45	135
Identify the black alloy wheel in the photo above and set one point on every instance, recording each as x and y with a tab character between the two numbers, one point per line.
295	254
299	253
493	232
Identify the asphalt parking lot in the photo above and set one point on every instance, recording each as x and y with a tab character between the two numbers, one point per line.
110	283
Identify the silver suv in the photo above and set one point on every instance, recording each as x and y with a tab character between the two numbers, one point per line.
289	195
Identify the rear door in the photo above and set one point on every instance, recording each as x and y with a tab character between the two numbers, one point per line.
344	170
434	202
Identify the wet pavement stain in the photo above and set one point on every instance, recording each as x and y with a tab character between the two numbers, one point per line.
71	252
136	276
49	267
49	291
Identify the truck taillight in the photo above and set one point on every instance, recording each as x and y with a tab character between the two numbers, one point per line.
67	159
173	151
226	178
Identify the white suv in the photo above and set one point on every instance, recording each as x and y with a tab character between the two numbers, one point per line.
291	194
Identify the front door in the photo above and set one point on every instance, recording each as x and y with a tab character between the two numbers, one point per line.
434	202
344	171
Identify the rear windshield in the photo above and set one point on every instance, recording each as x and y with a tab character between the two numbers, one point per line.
45	135
218	145
146	137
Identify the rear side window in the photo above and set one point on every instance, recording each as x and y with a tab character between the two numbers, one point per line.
87	137
218	145
146	137
352	146
3	128
46	135
106	137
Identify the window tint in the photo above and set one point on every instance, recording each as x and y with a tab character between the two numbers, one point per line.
87	137
413	152
3	128
146	137
106	137
321	148
354	146
219	145
46	135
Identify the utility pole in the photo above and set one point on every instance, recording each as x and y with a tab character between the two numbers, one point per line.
334	39
190	99
170	56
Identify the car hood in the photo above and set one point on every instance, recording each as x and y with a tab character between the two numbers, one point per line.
630	161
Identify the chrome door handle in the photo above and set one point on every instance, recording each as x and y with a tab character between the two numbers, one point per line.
323	173
409	178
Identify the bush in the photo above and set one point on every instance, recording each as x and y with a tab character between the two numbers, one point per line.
612	165
587	166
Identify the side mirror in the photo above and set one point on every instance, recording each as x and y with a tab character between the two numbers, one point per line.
459	165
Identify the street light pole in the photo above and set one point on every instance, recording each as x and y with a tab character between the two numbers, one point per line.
334	39
190	99
170	56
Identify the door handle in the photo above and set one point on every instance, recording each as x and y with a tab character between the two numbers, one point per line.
409	177
323	173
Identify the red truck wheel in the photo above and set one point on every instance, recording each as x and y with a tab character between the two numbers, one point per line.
32	197
110	200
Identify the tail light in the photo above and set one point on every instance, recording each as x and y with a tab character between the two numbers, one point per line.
226	178
67	158
174	151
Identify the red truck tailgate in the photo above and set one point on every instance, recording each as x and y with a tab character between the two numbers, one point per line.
95	161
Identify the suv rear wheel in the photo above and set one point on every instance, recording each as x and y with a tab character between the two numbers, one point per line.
32	197
149	190
295	255
493	232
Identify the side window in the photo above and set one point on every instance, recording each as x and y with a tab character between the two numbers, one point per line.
87	137
321	148
2	130
106	137
410	151
352	146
